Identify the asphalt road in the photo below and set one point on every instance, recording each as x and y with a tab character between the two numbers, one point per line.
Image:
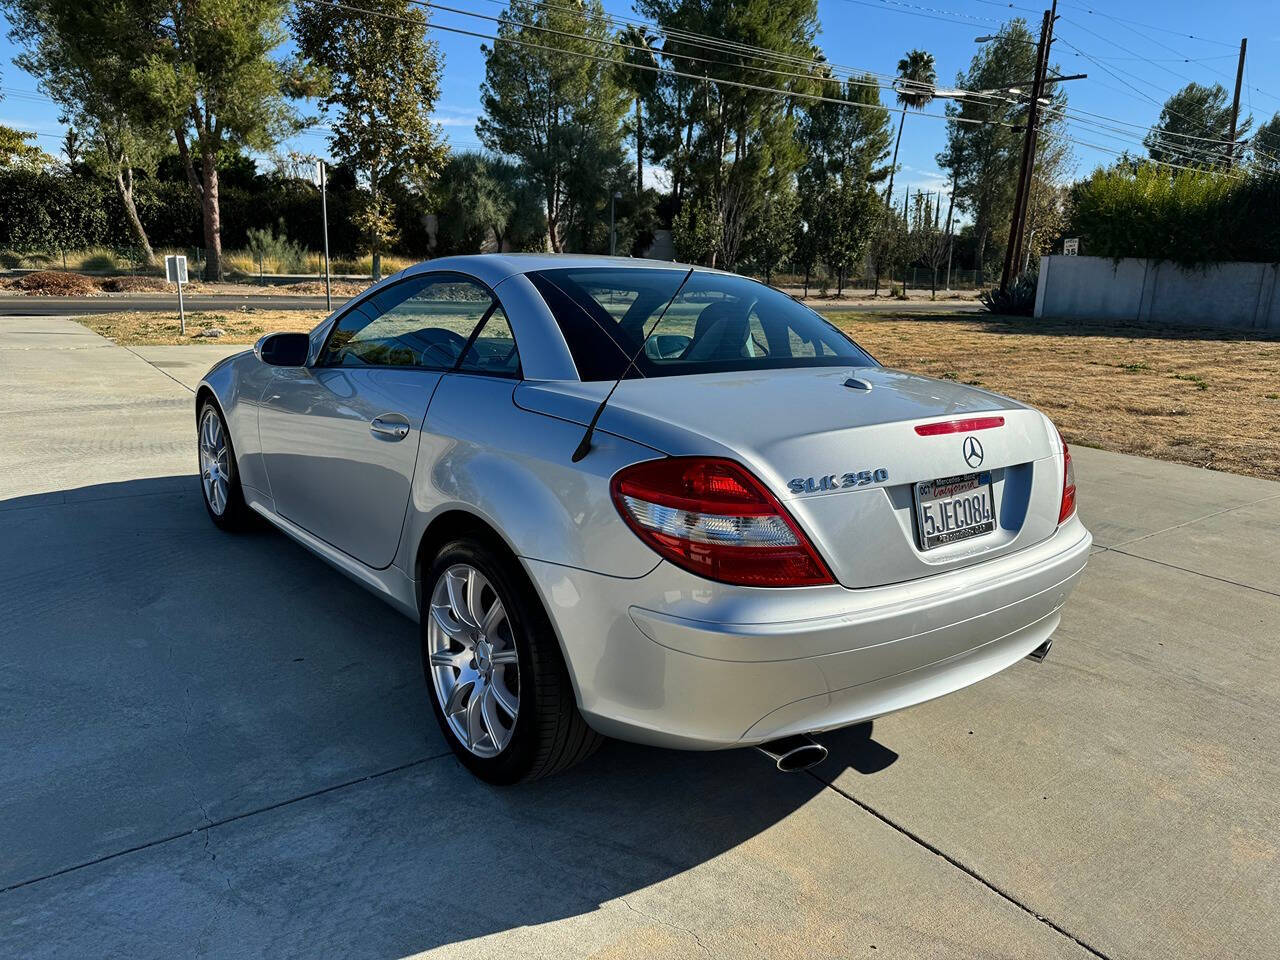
23	306
215	745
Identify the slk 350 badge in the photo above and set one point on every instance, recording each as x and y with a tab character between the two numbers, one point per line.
837	481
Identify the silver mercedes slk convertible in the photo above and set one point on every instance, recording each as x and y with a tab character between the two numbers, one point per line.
634	499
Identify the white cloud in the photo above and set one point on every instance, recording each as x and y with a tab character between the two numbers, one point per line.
464	120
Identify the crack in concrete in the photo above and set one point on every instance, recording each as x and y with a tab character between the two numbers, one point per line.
1197	573
666	923
963	868
160	841
1187	523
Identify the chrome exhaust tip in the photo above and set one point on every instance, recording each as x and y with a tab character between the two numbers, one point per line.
1039	653
793	754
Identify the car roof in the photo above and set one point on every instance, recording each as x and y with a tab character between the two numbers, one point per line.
493	268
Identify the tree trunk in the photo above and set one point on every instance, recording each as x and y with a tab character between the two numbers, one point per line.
888	197
124	187
982	253
806	282
639	150
212	217
375	237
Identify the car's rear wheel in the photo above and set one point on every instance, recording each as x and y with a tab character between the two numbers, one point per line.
498	683
219	478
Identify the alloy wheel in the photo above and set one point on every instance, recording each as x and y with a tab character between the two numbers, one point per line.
215	461
474	666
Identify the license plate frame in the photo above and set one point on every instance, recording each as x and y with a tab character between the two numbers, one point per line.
936	526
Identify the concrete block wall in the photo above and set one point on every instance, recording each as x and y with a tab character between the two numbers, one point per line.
1239	296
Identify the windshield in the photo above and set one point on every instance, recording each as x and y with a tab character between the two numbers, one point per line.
719	322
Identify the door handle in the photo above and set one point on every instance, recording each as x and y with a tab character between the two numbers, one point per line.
390	426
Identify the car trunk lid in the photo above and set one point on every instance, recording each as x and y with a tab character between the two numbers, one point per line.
806	431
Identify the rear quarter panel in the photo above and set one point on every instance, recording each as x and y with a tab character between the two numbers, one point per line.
482	454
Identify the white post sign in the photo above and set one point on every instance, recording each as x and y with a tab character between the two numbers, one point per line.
1071	247
175	268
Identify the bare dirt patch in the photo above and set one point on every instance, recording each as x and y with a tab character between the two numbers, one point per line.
237	326
1206	398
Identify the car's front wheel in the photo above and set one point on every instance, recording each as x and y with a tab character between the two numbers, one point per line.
219	478
498	683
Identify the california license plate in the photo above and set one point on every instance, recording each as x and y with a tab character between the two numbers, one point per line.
951	509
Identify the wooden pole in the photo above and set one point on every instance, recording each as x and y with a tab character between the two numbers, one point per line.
1235	104
1017	220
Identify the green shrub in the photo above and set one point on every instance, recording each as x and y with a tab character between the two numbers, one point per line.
1188	217
100	262
1019	300
275	252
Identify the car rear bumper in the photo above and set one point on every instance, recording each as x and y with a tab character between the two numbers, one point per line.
673	660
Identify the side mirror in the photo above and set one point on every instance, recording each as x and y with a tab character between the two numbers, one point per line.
283	349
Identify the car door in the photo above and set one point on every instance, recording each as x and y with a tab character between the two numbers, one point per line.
340	436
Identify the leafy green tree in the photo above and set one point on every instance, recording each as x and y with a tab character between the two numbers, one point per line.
695	231
1265	148
846	144
729	148
206	70
554	102
1194	128
17	154
984	145
526	227
92	79
771	235
381	82
917	80
805	237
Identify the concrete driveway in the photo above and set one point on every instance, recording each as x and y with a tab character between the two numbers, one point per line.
215	745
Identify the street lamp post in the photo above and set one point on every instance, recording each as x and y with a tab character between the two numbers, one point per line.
321	182
613	232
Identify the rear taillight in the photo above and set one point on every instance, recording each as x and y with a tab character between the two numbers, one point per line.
1068	486
714	518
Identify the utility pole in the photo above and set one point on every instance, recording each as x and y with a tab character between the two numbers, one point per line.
1235	104
613	232
324	219
1013	251
951	202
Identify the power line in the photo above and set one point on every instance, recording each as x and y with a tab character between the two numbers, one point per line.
725	82
931	13
1148	26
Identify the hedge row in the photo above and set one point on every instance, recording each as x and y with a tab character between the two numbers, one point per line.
1189	217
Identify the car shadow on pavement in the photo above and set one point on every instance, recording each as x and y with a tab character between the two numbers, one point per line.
218	736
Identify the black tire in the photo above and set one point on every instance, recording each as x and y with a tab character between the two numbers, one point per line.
235	514
549	734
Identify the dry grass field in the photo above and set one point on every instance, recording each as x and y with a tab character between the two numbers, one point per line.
237	326
1206	398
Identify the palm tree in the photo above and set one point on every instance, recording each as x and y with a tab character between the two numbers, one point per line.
641	82
916	81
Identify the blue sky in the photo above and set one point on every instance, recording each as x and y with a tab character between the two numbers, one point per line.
1134	64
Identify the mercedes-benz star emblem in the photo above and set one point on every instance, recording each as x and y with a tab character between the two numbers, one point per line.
972	451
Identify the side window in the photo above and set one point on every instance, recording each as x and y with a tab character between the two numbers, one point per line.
494	349
422	322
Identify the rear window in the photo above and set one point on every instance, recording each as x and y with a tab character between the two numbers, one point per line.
718	323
